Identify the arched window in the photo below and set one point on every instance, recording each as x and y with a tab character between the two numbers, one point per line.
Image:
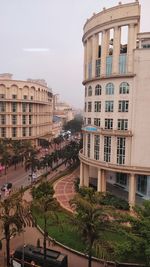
98	89
90	91
109	89
124	88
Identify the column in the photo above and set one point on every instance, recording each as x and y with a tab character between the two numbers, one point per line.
132	189
85	60
86	175
103	181
99	181
105	44
88	57
116	50
130	47
81	174
95	44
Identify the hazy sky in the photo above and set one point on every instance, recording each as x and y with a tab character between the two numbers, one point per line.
56	27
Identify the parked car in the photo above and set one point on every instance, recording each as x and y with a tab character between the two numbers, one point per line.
6	186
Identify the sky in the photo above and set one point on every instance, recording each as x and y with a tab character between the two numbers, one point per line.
42	39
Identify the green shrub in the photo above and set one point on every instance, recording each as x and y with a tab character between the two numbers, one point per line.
111	200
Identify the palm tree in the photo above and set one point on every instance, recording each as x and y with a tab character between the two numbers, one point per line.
32	162
44	202
5	159
15	215
90	220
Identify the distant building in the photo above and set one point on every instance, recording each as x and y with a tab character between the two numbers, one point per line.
25	109
116	132
62	109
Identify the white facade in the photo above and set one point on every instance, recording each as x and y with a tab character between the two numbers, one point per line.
116	143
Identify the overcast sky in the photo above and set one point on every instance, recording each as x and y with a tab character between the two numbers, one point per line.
56	27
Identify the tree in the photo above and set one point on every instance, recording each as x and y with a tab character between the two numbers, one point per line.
5	160
74	125
45	203
32	162
14	215
90	220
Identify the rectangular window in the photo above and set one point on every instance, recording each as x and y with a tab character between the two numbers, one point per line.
30	107
89	106
123	124
123	106
14	96
108	65
109	106
14	131
98	67
25	97
109	124
88	145
24	119
14	107
142	184
122	63
24	131
30	119
2	107
121	150
30	131
107	148
85	91
2	96
97	106
2	119
3	132
24	107
97	122
121	179
85	106
89	120
31	97
96	146
14	119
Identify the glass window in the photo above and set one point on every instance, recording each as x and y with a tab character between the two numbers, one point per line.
89	120
14	107
30	107
123	124
14	131
109	89
107	148
14	119
24	131
123	106
3	132
97	122
97	106
24	119
122	63
108	65
96	146
85	106
124	88
24	107
122	179
2	119
89	106
14	96
142	184
30	119
121	141
90	91
25	97
109	124
109	106
30	131
31	97
2	96
98	67
2	107
98	89
88	145
85	91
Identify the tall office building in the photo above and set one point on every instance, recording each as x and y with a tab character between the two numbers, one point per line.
116	132
25	109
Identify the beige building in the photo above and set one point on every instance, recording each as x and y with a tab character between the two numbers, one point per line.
116	132
25	109
62	109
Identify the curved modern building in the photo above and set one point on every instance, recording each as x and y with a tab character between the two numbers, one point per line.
116	132
25	109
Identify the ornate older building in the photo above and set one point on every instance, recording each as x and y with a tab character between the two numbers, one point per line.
116	132
25	109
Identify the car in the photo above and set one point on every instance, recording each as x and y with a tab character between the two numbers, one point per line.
6	186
